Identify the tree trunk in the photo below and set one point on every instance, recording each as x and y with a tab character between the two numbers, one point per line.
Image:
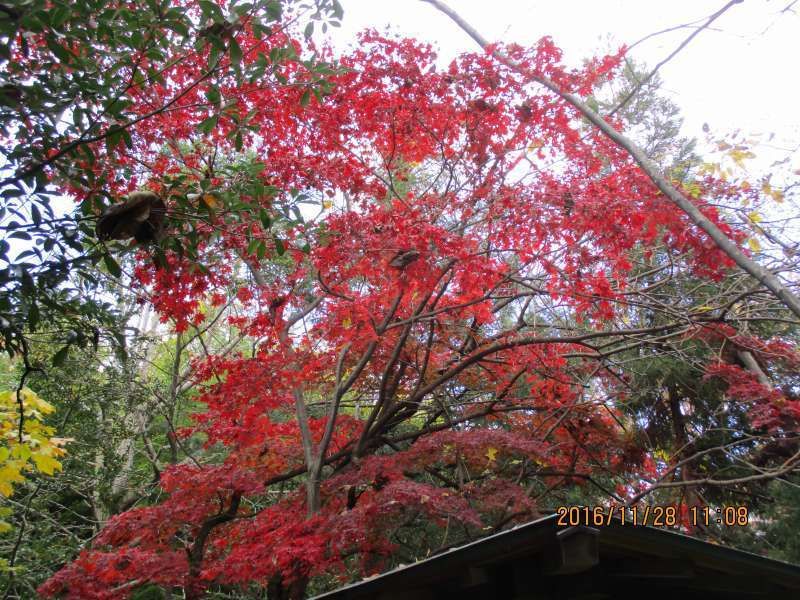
277	590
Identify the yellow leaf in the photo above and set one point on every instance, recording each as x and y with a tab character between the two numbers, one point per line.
326	204
46	464
754	245
661	455
210	200
7	399
693	188
37	443
9	474
4	526
755	217
491	454
739	156
32	400
21	451
768	190
708	168
535	145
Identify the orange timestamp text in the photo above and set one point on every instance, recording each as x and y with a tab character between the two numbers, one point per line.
652	515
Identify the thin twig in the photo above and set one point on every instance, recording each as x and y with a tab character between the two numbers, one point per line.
672	55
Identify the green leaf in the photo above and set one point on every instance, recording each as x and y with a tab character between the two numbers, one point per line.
60	356
275	55
213	95
338	11
235	52
259	30
112	266
33	317
242	9
113	139
274	10
211	11
207	125
58	50
266	222
217	48
179	28
59	16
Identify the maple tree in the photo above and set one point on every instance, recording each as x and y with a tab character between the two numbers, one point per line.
437	269
27	443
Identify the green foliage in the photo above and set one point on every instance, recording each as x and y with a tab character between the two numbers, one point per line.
68	71
652	119
54	516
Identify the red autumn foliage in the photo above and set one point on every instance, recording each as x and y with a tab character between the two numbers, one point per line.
467	190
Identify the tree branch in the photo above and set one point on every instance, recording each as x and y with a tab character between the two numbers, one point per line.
762	275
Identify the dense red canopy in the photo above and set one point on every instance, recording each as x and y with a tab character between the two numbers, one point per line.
409	332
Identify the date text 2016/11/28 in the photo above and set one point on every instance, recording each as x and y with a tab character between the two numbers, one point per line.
652	515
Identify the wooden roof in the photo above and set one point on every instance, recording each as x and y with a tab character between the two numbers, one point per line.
542	561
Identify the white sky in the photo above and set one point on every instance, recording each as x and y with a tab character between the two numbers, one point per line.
740	76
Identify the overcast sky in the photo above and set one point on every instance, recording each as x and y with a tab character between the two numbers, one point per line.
740	75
